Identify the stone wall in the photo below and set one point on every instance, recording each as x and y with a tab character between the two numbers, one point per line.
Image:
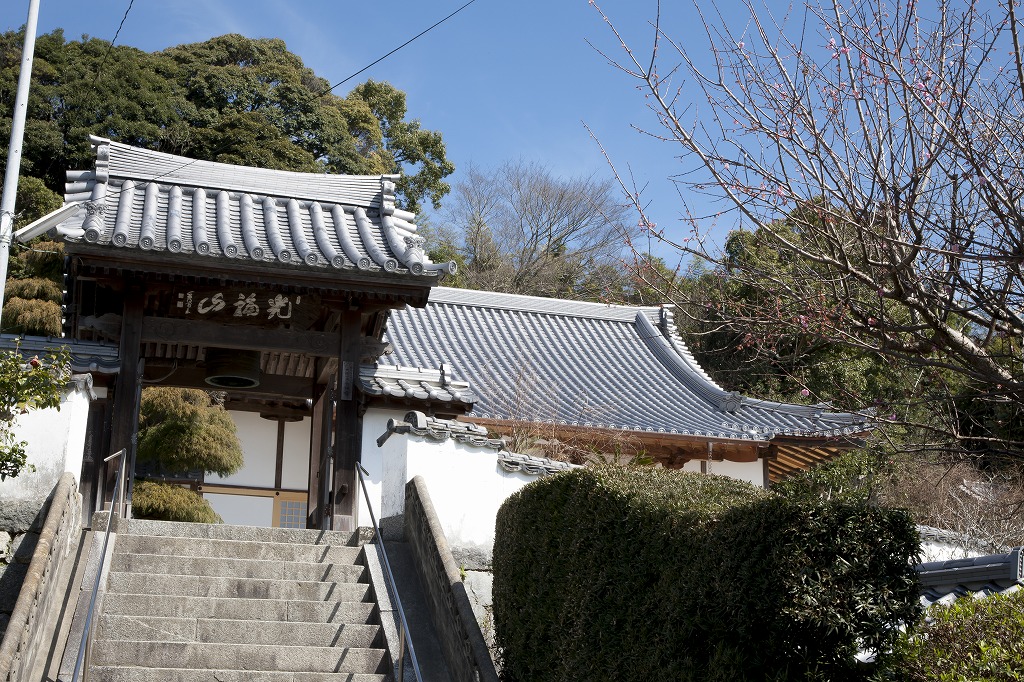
456	626
28	583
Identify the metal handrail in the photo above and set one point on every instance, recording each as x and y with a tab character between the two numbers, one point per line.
403	627
85	647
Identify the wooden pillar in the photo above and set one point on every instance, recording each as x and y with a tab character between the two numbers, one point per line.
347	439
124	423
317	510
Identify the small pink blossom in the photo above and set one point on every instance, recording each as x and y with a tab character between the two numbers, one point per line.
740	44
804	392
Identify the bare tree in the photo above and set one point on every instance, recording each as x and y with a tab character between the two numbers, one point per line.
523	230
876	148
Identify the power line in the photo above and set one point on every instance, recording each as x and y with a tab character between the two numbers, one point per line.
114	40
321	94
418	35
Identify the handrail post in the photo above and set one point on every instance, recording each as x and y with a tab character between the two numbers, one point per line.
85	646
403	625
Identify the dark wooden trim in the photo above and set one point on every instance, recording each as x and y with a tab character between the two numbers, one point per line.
279	465
199	333
319	459
272	386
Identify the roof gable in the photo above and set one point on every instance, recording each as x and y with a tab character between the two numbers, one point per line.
162	205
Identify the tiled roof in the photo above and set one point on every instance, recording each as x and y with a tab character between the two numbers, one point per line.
424	385
944	581
534	466
588	364
419	424
151	201
86	356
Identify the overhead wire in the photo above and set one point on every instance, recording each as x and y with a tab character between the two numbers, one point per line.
113	40
315	96
410	40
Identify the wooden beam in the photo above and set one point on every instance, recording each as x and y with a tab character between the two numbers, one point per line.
200	333
272	386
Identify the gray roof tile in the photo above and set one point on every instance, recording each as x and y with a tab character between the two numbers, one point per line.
430	385
588	364
86	356
440	430
151	201
944	581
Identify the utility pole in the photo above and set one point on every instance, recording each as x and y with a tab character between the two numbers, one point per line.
14	151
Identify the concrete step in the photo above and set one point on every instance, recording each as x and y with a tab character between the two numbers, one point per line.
221	531
250	657
240	609
157	564
237	549
220	631
243	588
135	674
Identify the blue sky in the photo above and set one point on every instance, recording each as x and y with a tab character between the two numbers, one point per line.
500	80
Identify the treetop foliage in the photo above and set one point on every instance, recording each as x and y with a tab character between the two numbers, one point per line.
230	99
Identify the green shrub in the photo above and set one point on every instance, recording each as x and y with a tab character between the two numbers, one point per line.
183	429
971	640
166	502
644	574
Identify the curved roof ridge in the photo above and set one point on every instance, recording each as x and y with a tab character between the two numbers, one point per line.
680	363
136	163
675	339
540	304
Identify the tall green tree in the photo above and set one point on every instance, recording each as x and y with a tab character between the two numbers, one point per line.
232	99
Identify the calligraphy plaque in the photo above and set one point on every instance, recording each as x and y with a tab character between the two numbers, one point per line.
245	305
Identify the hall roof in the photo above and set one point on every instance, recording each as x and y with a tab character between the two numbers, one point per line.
593	365
220	214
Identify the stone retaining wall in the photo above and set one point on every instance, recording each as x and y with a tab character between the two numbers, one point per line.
461	641
41	548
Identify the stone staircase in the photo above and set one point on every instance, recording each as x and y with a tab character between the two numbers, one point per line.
190	602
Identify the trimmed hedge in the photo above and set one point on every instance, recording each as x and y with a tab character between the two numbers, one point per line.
971	640
623	573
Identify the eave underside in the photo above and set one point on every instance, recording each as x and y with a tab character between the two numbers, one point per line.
785	455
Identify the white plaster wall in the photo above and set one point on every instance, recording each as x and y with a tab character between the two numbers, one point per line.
692	465
751	472
56	443
295	465
243	510
383	463
466	486
258	437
